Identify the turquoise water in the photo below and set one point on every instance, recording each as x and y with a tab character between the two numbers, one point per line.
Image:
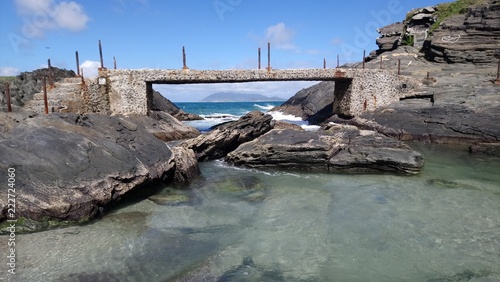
218	112
238	224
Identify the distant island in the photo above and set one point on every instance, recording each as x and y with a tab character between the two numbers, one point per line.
239	97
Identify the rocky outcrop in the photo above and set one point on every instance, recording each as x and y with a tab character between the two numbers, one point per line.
470	37
390	37
339	148
453	124
161	103
313	104
167	128
227	137
26	84
74	167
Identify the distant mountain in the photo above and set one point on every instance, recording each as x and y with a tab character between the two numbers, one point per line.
239	97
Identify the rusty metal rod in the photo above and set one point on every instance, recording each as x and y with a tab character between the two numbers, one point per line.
83	79
324	63
428	74
51	78
114	62
7	93
259	58
399	67
364	57
338	61
100	54
77	64
184	66
381	63
268	56
45	102
498	70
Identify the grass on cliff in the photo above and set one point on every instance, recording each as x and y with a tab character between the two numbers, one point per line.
4	79
447	10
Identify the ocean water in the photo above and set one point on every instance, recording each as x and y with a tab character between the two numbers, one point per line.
238	224
218	112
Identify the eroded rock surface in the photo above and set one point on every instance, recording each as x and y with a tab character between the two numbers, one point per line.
227	137
74	167
339	148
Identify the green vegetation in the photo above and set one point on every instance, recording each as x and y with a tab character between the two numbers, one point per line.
408	40
4	79
447	10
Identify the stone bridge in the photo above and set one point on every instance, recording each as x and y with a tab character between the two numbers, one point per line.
129	92
356	90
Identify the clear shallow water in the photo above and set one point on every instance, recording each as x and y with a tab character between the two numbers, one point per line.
249	225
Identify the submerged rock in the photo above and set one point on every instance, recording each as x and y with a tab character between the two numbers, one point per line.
340	149
249	188
171	197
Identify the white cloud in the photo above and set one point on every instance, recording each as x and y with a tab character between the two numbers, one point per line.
9	71
42	15
71	16
90	68
281	36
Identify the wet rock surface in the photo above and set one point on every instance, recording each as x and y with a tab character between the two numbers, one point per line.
74	167
227	137
337	149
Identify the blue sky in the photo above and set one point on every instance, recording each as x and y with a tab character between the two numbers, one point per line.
217	34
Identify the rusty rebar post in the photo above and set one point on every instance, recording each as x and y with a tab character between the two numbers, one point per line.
428	74
381	63
51	78
268	56
114	62
77	64
100	54
364	57
324	63
45	102
498	70
399	66
259	58
338	61
184	66
7	93
81	76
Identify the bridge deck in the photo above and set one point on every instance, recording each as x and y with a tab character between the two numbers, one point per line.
219	76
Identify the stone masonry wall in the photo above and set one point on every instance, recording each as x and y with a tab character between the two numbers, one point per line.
361	90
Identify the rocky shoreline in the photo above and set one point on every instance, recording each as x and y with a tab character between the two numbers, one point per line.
74	167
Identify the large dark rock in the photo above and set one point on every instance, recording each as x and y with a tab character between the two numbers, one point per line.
74	167
227	137
161	103
338	149
313	104
447	124
390	37
167	128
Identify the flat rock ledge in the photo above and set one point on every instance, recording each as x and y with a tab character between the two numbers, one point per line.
336	149
71	168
